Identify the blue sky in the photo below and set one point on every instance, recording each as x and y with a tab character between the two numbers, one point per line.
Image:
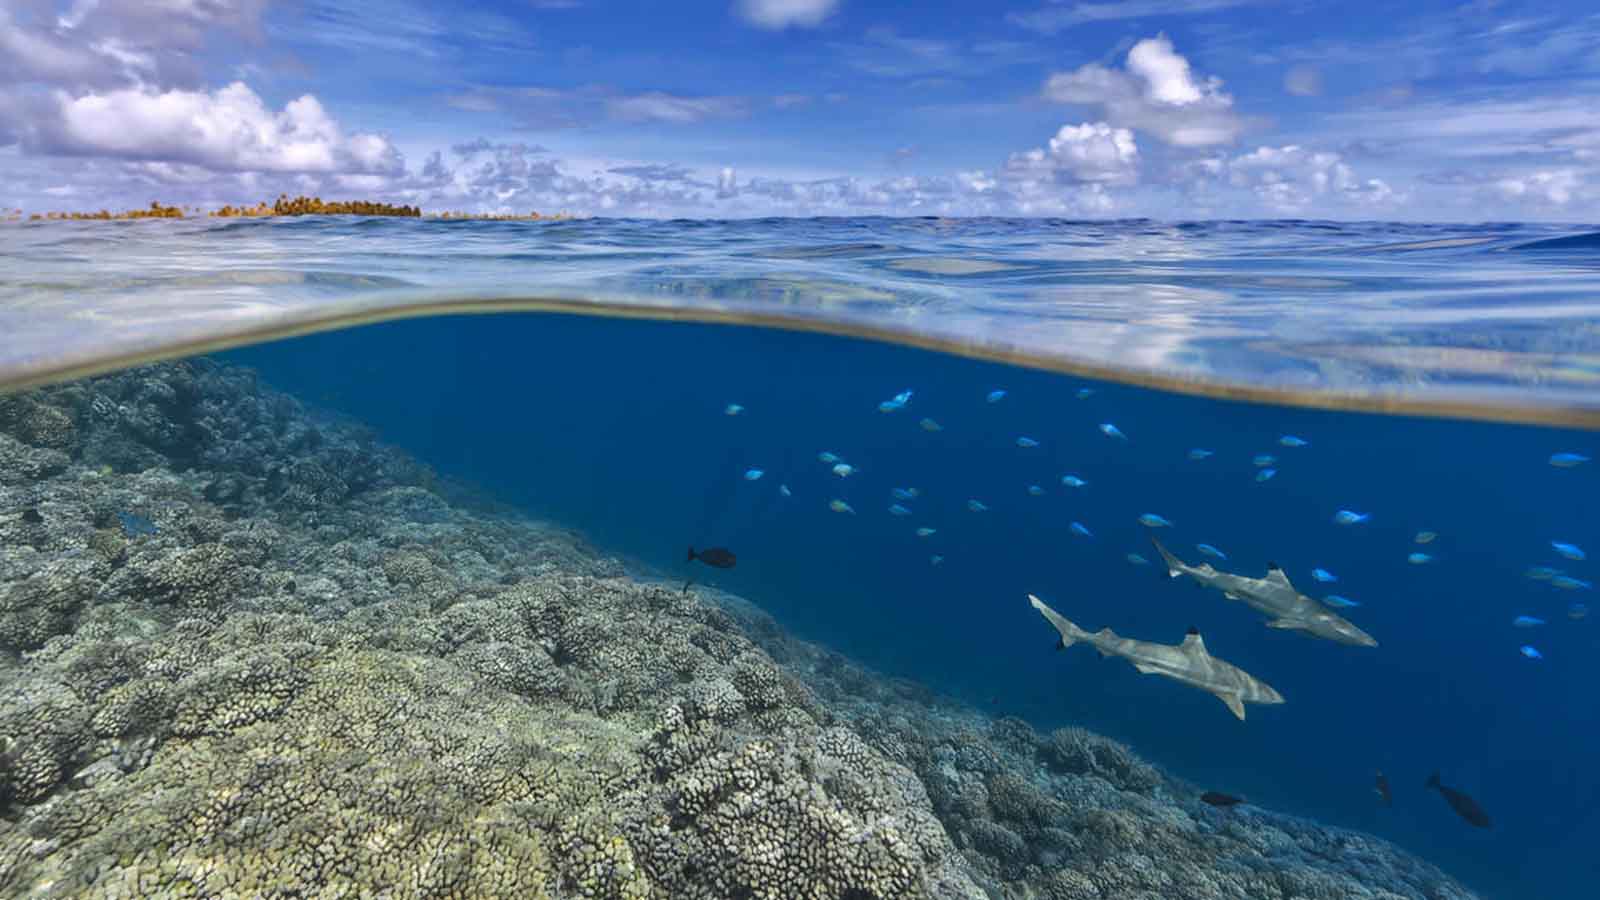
1485	110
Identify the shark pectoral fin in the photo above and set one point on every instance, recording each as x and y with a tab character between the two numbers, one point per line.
1283	623
1230	595
1234	704
1148	670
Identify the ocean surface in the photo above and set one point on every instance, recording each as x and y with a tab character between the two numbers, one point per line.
1440	382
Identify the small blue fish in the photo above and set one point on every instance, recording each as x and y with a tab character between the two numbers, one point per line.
732	409
753	474
1417	559
1567	460
1265	475
828	457
1531	653
977	506
927	532
844	470
1199	453
1209	550
1542	573
935	559
1527	621
135	525
1568	583
898	510
1027	443
1290	440
784	490
995	396
1084	393
1073	481
899	402
1578	610
1346	517
1338	602
930	425
839	506
1570	551
906	493
1263	461
1324	576
1080	529
1151	520
1138	560
1110	430
1035	491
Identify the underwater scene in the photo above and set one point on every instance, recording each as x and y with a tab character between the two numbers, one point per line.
825	558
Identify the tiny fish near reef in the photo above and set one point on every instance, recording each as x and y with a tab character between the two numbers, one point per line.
135	525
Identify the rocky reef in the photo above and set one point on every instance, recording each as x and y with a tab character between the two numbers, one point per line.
248	651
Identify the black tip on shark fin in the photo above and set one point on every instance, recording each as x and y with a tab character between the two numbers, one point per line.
1061	644
1272	566
1193	630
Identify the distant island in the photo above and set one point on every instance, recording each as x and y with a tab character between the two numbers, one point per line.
283	206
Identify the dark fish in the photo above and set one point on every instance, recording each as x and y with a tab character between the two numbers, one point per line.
1465	807
1382	787
1219	799
716	557
32	517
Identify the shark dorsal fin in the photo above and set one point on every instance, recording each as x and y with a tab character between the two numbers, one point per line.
1193	644
1276	576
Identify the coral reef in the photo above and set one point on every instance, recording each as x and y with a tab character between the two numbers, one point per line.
324	671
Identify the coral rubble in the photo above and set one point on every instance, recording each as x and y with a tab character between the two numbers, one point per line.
323	671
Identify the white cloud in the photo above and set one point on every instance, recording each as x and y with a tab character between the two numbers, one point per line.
229	129
1294	179
1303	81
661	107
1158	93
777	14
1091	153
542	107
1558	187
1052	19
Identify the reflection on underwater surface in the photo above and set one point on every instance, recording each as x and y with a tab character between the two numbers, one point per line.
1492	321
623	430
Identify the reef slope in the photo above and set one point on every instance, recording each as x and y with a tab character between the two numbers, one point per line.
248	651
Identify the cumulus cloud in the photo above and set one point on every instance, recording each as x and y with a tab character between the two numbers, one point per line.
1294	179
1554	187
778	14
229	129
1091	153
1157	92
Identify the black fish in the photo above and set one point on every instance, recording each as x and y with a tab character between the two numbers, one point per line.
1465	807
716	557
1218	799
32	517
1382	787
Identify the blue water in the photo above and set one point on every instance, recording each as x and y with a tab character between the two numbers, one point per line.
619	429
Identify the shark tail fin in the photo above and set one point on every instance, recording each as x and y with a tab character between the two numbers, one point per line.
1433	780
1174	564
1070	632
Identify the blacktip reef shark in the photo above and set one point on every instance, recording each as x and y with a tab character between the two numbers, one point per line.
1188	662
1274	596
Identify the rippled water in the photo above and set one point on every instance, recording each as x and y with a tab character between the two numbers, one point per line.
1489	321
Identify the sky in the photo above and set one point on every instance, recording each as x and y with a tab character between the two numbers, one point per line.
1170	109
